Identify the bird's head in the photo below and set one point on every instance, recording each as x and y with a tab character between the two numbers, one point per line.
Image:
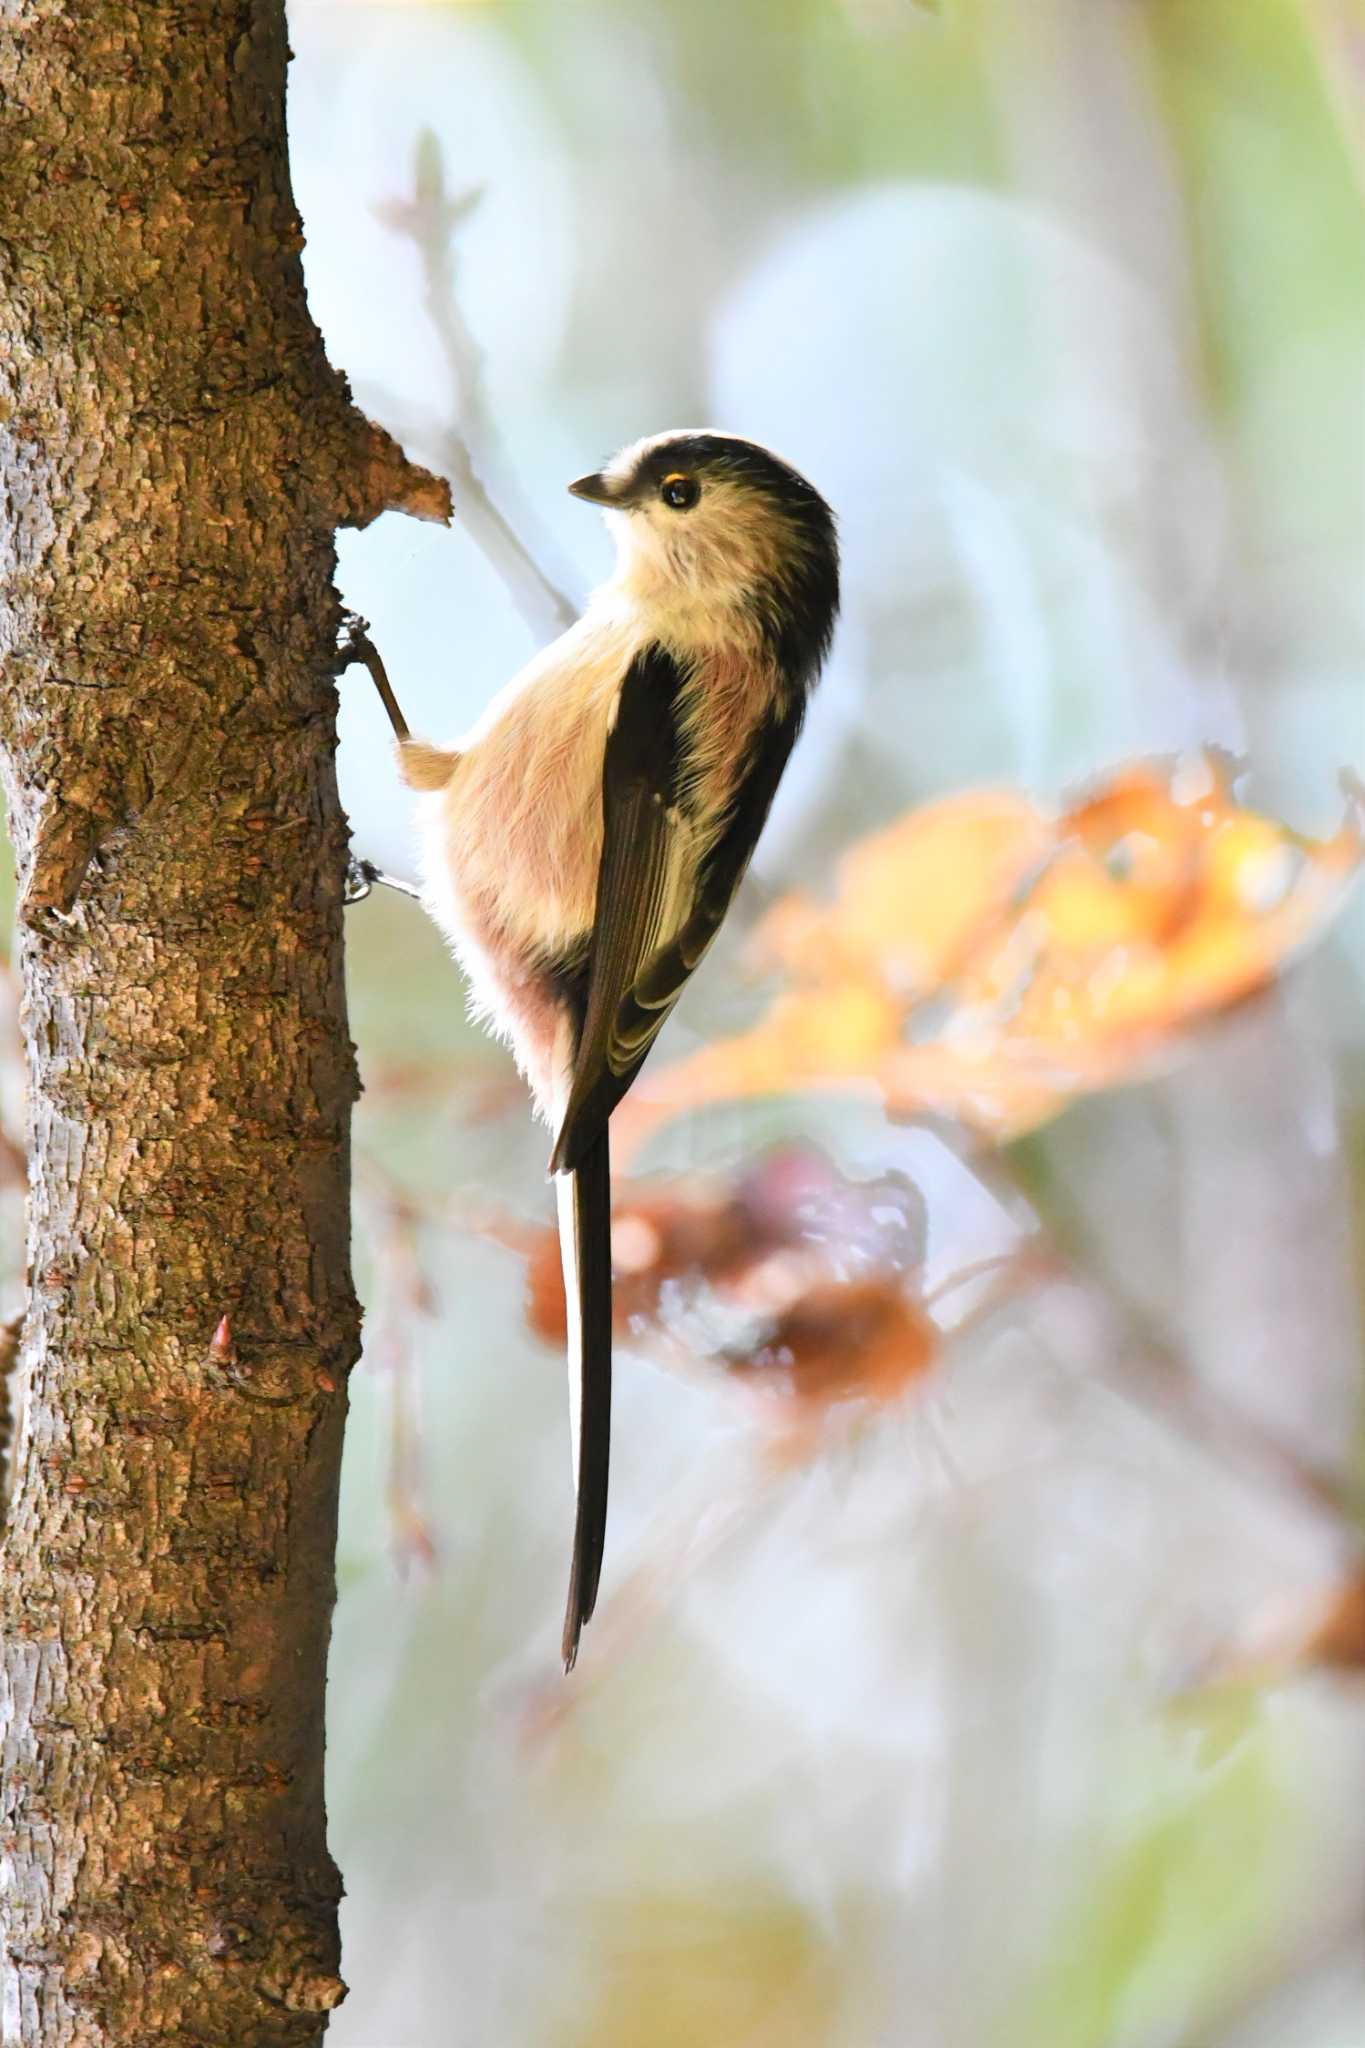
719	539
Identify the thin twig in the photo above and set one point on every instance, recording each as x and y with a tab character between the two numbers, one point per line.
430	219
1152	1368
406	1300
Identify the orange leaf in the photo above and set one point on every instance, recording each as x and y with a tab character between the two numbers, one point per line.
1063	954
910	897
827	1038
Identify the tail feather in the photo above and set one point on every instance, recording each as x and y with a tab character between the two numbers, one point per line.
423	766
585	1246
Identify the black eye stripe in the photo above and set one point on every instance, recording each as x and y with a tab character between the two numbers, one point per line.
680	492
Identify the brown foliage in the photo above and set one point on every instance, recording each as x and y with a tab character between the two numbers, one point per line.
798	1284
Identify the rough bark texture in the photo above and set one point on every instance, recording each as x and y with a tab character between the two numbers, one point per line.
175	454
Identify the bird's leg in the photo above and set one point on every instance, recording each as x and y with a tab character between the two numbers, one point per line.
421	766
355	644
361	876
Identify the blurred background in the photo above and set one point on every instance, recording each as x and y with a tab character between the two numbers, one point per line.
979	1658
976	1661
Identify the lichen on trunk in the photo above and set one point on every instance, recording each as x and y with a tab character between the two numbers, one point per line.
175	454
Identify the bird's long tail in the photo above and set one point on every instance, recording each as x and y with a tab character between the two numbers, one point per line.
585	1246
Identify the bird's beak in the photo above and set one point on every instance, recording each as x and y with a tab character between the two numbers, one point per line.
597	489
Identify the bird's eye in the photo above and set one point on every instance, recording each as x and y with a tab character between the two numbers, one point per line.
680	492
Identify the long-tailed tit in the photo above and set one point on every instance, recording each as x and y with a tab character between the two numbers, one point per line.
584	842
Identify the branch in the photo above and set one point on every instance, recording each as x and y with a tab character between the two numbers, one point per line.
430	220
1156	1369
388	482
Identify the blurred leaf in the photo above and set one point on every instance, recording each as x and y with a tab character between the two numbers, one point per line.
1325	1630
1062	954
1338	1636
743	1971
979	843
862	1339
1178	1899
797	1281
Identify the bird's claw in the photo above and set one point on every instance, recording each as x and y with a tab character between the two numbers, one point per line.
360	879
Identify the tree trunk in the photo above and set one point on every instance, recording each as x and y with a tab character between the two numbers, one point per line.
175	454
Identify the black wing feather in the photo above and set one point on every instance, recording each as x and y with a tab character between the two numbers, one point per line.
638	964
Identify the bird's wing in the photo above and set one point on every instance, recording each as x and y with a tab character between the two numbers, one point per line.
658	907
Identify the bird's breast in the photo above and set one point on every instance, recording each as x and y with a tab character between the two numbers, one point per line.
513	842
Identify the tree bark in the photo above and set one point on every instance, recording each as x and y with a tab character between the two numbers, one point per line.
175	454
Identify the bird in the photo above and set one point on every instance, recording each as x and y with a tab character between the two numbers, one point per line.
581	845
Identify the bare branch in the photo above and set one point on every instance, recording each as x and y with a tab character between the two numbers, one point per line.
430	219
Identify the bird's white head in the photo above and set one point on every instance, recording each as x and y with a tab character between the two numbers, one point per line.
721	540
